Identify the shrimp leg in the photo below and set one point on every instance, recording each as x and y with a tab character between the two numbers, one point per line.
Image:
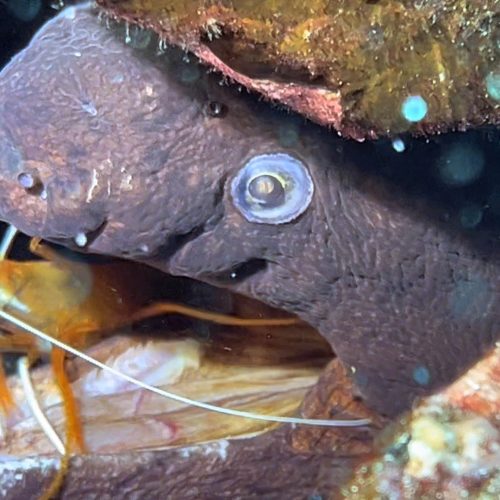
37	248
6	400
74	429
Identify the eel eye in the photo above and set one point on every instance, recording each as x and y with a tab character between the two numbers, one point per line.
272	189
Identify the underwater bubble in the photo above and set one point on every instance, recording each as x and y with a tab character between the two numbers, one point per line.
414	108
398	145
24	10
470	215
421	375
492	81
81	239
470	298
315	496
288	135
460	164
190	73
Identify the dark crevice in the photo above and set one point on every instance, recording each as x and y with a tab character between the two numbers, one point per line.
219	192
90	237
176	241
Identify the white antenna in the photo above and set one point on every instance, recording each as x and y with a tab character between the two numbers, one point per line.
7	241
40	417
206	406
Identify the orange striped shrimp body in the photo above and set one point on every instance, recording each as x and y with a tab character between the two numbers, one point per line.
70	301
73	302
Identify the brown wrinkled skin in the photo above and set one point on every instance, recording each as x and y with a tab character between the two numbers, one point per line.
262	467
129	155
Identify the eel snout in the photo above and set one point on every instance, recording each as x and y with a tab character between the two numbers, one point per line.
97	143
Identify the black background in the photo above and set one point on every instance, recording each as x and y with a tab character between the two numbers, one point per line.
16	33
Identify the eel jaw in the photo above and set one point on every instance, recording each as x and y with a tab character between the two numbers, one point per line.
118	417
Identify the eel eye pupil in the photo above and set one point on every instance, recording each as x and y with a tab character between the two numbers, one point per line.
267	190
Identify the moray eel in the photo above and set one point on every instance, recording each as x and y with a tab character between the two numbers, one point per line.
110	147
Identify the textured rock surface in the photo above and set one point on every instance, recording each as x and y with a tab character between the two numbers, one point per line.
349	64
448	447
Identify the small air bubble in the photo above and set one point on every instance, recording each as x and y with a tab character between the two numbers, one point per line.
288	135
421	375
398	145
190	74
24	10
460	164
471	215
315	496
81	239
414	108
492	81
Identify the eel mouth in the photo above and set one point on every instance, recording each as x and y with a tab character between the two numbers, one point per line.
263	370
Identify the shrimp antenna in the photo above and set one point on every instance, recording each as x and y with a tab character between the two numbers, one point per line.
206	406
7	240
36	410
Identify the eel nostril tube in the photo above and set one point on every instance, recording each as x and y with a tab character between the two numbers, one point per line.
30	182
